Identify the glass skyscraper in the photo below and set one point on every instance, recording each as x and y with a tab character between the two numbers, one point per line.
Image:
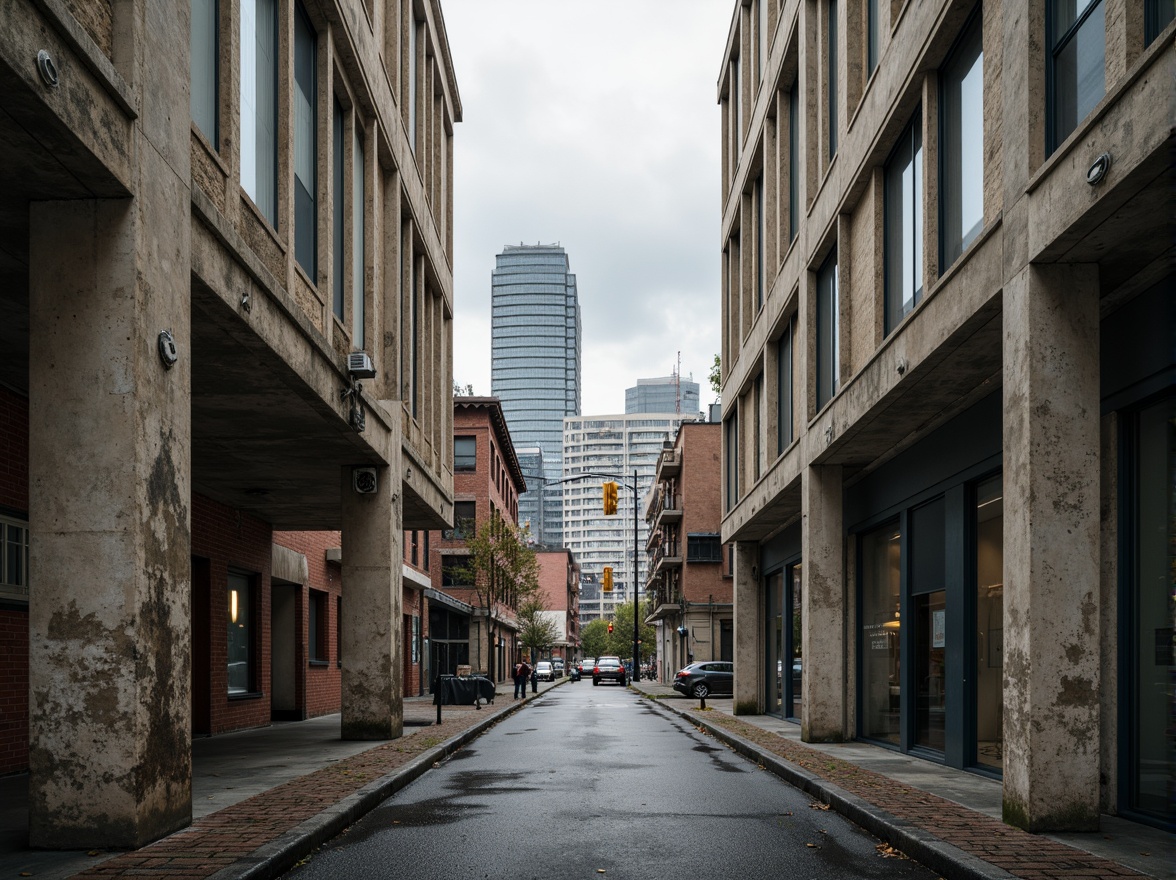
535	369
666	394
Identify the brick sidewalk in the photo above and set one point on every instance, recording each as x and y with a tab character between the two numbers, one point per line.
220	839
1025	855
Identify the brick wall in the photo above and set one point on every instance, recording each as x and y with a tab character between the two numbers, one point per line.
231	539
701	508
14	616
317	686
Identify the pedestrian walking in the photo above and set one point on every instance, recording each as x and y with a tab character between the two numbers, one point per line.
522	671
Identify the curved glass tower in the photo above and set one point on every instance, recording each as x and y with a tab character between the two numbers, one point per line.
535	369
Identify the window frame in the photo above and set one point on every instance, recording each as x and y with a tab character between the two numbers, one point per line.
910	145
212	137
247	583
471	457
266	203
318	647
827	387
10	591
950	252
1056	44
704	547
305	192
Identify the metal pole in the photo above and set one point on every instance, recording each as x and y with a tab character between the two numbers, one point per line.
636	637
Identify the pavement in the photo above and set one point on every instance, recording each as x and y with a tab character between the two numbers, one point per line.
265	799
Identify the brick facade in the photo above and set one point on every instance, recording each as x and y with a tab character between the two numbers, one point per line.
14	616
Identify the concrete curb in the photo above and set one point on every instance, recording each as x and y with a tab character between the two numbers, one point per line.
280	855
945	859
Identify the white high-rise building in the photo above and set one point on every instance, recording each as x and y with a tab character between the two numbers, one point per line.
616	445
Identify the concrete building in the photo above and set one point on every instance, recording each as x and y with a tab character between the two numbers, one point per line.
689	581
559	586
947	324
535	367
618	445
212	213
665	394
468	625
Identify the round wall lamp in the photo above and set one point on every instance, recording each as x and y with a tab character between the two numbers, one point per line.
47	68
1098	169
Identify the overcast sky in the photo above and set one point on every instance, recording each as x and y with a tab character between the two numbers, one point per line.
593	123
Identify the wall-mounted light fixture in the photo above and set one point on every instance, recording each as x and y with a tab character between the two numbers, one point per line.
168	353
1098	169
233	606
47	68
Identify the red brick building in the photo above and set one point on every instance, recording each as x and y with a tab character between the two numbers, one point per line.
487	482
559	586
690	569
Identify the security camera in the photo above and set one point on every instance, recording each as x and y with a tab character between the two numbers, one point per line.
363	479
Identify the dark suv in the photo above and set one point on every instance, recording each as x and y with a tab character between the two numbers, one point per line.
707	677
608	669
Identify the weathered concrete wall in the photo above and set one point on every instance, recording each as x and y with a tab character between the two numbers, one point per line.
1051	548
823	606
749	691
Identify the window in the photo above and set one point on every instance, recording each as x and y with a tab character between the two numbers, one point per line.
831	75
793	162
1157	16
881	690
757	429
339	209
453	572
358	302
737	100
703	548
871	37
761	29
828	376
241	658
305	144
784	387
761	236
205	67
14	559
731	448
317	635
465	453
988	532
412	81
259	105
464	518
1077	76
903	225
339	630
961	146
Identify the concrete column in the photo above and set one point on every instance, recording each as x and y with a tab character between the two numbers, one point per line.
823	606
110	516
748	625
372	699
1051	552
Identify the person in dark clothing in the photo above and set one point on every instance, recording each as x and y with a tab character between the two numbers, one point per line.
522	671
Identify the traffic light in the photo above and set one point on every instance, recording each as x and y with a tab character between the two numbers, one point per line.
610	626
606	584
610	498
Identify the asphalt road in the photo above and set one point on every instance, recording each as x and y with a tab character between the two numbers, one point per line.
593	782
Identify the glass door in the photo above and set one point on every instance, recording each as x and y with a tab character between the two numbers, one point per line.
988	528
928	574
795	647
881	690
774	642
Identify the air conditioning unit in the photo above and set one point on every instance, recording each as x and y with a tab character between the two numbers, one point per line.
363	479
360	366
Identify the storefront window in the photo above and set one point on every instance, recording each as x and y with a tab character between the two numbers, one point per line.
989	531
240	635
795	630
929	601
881	626
774	593
1150	644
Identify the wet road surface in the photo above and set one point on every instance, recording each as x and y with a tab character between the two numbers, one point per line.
593	782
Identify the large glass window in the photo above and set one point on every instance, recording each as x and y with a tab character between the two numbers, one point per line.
1158	15
339	213
793	162
776	650
828	356
464	519
305	144
1077	75
831	75
465	453
205	67
358	235
761	236
412	81
784	388
928	570
795	647
903	227
731	450
881	692
961	148
241	658
317	627
259	105
988	528
1150	660
871	37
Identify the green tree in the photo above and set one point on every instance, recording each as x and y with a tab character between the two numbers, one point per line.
594	638
715	376
500	568
621	639
536	630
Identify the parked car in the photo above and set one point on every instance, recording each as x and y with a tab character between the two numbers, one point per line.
609	669
581	668
558	664
544	671
706	677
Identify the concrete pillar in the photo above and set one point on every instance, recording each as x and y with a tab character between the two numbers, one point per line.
110	516
823	606
1051	552
748	626
372	699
